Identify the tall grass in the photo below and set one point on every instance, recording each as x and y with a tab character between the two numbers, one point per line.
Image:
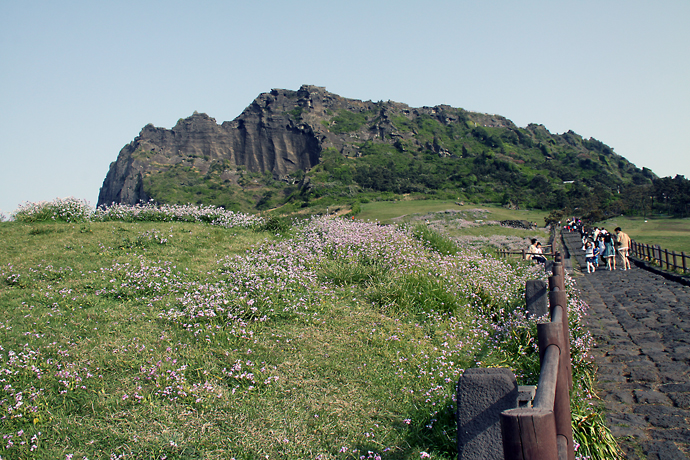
434	240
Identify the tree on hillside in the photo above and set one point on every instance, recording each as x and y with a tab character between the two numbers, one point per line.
672	195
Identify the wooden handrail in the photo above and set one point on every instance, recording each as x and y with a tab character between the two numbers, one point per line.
544	432
546	388
505	253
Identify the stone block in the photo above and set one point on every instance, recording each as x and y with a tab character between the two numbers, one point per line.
663	450
482	394
644	374
681	400
537	297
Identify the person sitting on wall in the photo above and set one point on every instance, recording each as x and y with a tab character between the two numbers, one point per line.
535	252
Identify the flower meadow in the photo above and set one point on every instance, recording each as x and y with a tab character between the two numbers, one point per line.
167	338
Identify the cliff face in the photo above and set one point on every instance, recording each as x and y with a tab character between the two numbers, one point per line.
279	133
264	138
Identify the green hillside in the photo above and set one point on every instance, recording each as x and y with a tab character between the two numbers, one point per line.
510	166
507	165
372	151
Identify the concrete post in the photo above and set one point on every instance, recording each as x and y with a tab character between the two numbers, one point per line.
482	395
536	298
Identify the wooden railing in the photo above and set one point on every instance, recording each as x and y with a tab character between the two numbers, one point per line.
671	260
524	253
544	431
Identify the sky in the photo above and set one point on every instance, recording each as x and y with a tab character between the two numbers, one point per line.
80	79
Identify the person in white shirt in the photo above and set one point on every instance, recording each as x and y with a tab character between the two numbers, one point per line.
590	256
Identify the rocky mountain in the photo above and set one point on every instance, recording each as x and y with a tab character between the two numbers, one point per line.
300	146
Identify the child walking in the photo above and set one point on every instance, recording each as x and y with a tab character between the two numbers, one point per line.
591	253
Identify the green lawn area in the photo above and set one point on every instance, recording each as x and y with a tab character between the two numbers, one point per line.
188	341
671	234
386	211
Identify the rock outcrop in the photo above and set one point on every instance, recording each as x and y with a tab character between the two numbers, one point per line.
522	224
265	137
279	133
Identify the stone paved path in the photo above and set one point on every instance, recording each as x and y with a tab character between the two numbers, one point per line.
641	323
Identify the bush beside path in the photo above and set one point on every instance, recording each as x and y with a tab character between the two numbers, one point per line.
641	324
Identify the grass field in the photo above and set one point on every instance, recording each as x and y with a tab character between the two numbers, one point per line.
671	234
468	225
179	340
386	211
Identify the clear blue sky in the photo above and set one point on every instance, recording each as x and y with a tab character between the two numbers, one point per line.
79	79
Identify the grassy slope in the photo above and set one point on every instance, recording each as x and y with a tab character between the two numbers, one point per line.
342	381
366	368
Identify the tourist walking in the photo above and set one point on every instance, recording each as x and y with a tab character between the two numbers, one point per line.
599	243
623	247
609	252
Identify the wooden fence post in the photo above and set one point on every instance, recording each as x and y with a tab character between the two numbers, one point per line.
529	434
685	267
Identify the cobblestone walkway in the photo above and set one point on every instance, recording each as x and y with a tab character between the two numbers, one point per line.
641	324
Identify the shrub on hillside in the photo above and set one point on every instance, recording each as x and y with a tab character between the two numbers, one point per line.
75	210
59	210
434	240
273	224
150	212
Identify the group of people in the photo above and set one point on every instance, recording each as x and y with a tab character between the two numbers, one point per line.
597	243
573	225
600	243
